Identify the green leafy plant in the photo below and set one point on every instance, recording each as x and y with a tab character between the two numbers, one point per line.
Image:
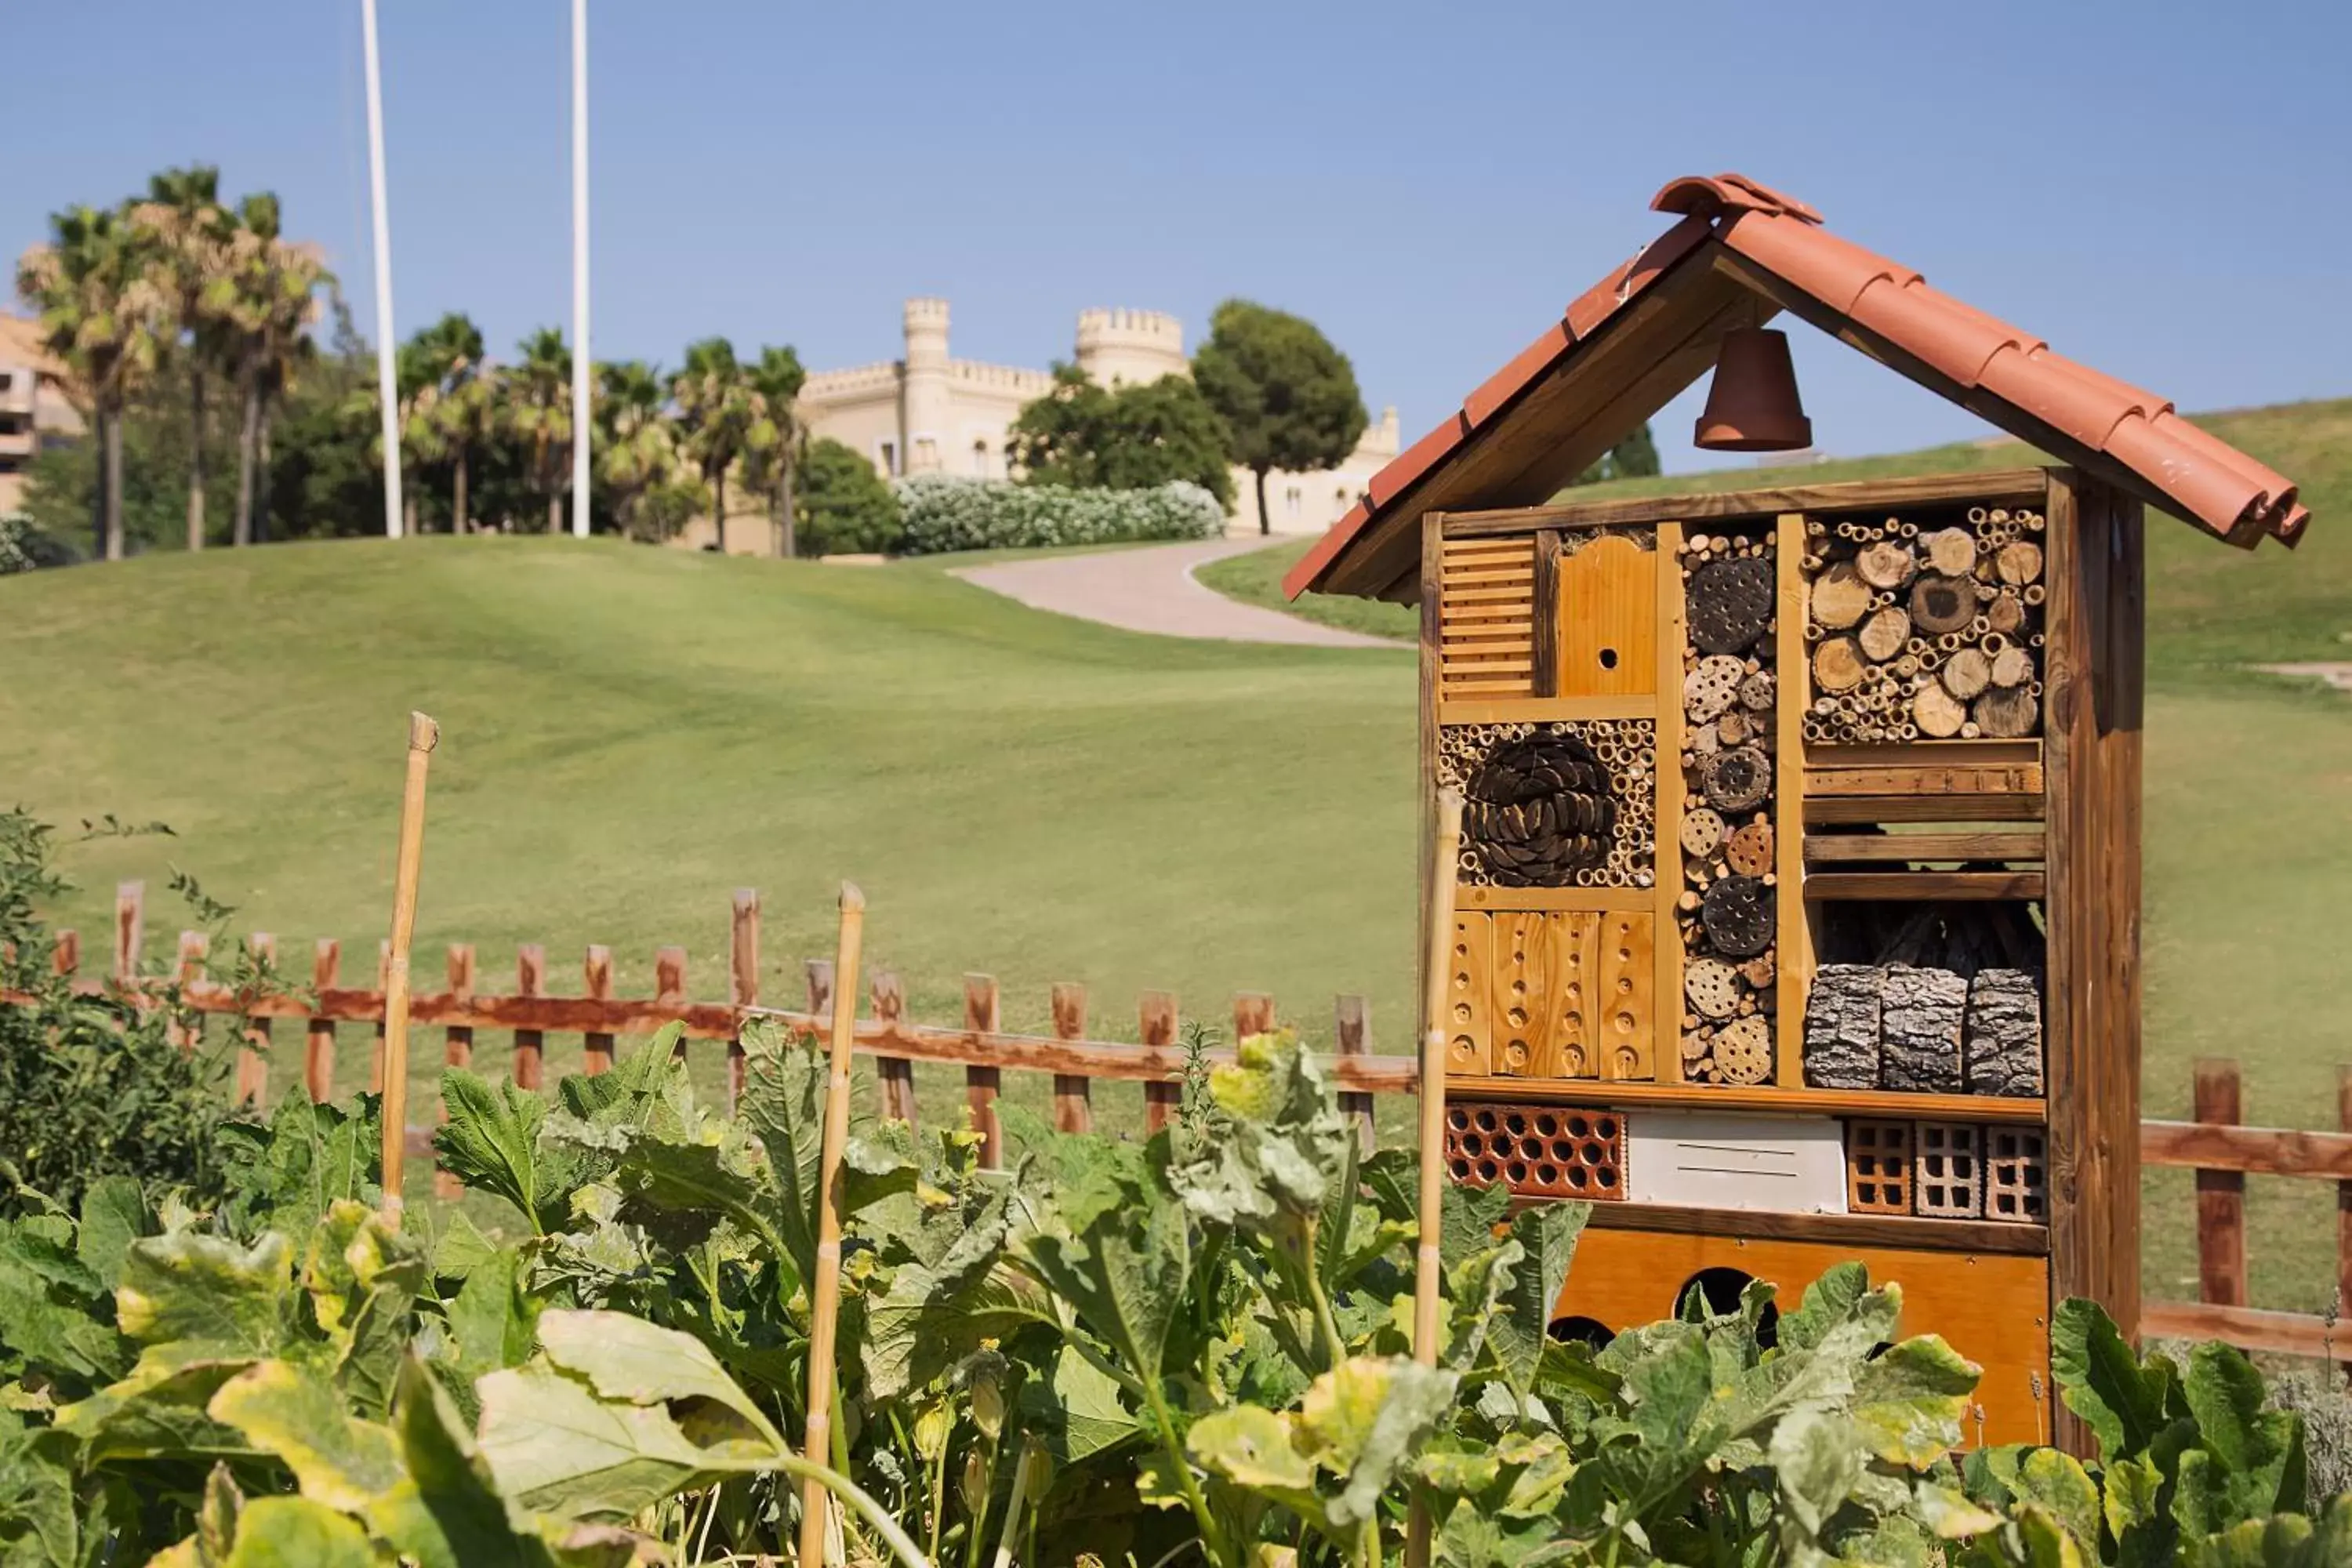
941	512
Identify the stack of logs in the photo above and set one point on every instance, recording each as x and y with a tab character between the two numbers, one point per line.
1726	915
1930	635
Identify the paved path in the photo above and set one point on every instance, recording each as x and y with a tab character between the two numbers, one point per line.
1152	589
2338	676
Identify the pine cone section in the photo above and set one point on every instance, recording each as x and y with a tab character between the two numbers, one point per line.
1555	805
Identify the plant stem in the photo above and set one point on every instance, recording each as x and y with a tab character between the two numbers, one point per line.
1015	1506
938	1493
1213	1540
901	1544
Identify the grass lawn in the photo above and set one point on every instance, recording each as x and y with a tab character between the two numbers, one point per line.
1256	579
631	733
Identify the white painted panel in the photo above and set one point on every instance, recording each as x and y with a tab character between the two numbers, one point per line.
1706	1159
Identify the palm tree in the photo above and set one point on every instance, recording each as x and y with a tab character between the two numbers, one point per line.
636	447
539	410
714	414
772	445
187	232
104	318
457	415
273	303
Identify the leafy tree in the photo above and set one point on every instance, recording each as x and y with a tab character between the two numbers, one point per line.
846	507
537	397
1123	437
187	232
1287	398
714	413
643	477
325	480
272	302
461	416
105	320
1636	456
770	445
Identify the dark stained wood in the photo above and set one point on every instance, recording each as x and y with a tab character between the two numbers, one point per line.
129	929
1352	1032
2248	1328
1709	1097
1997	488
1155	1018
596	976
529	1043
1826	811
1074	1110
983	1081
742	977
894	1076
457	1050
1851	1230
1544	659
319	1039
1843	885
2221	1194
1832	848
2258	1150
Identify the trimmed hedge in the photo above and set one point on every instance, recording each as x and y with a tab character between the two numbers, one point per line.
940	512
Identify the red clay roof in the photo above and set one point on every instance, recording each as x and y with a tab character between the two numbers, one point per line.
2179	466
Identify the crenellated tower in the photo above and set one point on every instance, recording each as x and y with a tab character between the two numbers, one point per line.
1132	346
929	410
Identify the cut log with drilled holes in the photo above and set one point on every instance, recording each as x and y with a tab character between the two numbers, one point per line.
1750	850
1885	633
2005	612
1838	597
1937	712
1841	1048
1965	673
1920	1014
1887	565
1760	970
1940	605
1712	986
1729	604
2018	563
2011	666
2007	713
1837	665
1736	915
1737	779
1701	833
1743	1051
1951	550
1540	809
1711	688
2002	1052
1757	692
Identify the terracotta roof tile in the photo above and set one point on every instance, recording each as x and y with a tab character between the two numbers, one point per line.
2201	478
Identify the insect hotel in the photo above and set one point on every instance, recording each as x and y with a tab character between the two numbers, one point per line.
1797	896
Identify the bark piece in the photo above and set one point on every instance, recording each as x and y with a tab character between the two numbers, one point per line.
1885	633
1887	564
1839	596
1711	688
1842	1045
1951	550
1736	915
1937	712
2007	713
1730	603
1920	1015
2003	1048
1837	665
1737	779
1940	604
1967	672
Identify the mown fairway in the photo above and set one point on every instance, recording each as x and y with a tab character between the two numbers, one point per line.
631	733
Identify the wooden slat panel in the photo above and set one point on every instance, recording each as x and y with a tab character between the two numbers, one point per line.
1626	1015
1830	848
1469	1047
1607	615
1935	778
1849	885
1924	808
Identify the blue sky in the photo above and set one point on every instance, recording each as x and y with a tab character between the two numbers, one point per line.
2157	187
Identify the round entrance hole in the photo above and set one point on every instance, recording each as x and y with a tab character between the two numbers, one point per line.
1719	1289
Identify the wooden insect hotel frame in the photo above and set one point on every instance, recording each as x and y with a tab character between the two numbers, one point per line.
1797	910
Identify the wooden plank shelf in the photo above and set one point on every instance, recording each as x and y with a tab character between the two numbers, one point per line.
1625	1095
1503	898
1840	1229
1847	886
1937	778
1543	709
1998	487
1834	849
1833	810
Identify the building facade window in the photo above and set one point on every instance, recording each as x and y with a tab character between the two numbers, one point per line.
889	459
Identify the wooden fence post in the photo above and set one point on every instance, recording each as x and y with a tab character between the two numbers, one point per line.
818	973
186	1025
129	929
252	1054
1253	1015
1074	1109
669	990
1155	1018
2221	1194
382	987
981	1084
319	1041
457	1050
2344	1201
65	958
530	1045
743	981
1352	1021
895	1076
596	975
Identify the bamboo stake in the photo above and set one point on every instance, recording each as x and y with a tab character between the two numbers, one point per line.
423	734
824	1293
1436	983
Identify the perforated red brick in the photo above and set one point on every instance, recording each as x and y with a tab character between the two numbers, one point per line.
1947	1174
1878	1166
2017	1176
1537	1150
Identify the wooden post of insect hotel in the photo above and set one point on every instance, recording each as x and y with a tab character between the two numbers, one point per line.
1435	1026
824	1293
423	734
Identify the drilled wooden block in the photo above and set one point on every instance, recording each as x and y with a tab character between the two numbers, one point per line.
2017	1176
1948	1170
1878	1166
1537	1150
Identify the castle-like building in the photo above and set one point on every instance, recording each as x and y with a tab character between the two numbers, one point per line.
931	413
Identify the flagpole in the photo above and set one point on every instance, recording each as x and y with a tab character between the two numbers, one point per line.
580	360
387	383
